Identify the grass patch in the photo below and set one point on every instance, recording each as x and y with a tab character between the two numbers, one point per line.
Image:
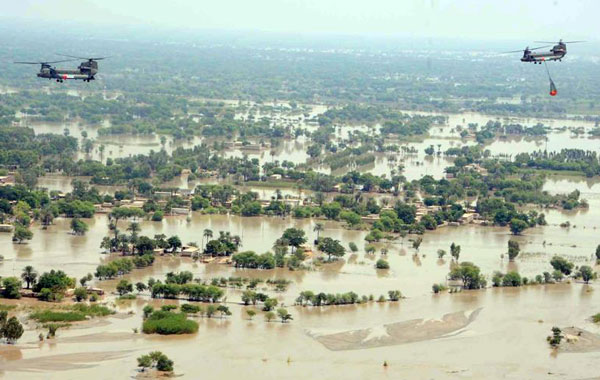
75	313
596	318
7	307
127	297
168	323
57	316
272	183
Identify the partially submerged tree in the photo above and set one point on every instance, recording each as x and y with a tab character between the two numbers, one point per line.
331	247
284	315
513	250
11	329
29	275
155	359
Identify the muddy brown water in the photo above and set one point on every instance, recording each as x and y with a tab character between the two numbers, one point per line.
504	340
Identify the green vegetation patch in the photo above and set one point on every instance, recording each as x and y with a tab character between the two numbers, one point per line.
74	313
169	323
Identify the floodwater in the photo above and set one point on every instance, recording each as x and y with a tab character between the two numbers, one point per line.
506	338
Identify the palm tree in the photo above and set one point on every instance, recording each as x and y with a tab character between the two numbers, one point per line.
318	228
134	227
236	240
207	234
46	216
29	275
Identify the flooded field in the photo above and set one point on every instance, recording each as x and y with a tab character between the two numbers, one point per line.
494	333
515	320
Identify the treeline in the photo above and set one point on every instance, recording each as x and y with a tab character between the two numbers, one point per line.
392	121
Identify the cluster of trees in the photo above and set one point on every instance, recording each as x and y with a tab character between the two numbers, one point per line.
471	278
21	147
328	299
193	292
469	274
578	160
493	129
52	285
155	359
10	328
167	322
121	266
393	122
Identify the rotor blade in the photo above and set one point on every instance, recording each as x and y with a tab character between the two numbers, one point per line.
541	47
72	56
88	58
545	42
523	50
63	60
44	63
572	42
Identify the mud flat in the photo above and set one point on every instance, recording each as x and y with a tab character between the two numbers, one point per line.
578	340
414	330
62	362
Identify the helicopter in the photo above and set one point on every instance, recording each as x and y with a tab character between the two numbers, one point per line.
86	71
558	51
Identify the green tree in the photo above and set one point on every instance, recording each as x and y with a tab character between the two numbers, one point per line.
394	295
250	313
269	304
29	275
140	287
586	273
12	287
513	250
294	236
12	330
517	226
598	253
124	287
207	234
512	278
350	217
284	315
55	280
556	337
382	264
174	243
455	251
561	264
417	243
80	294
78	226
164	364
331	247
318	228
147	310
21	233
469	274
331	210
155	359
144	362
269	316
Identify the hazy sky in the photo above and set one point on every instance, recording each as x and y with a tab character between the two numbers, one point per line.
475	19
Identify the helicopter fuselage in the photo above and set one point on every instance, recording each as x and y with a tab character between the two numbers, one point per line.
85	72
555	54
63	74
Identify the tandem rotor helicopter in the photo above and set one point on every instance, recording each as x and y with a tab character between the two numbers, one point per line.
557	53
86	71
